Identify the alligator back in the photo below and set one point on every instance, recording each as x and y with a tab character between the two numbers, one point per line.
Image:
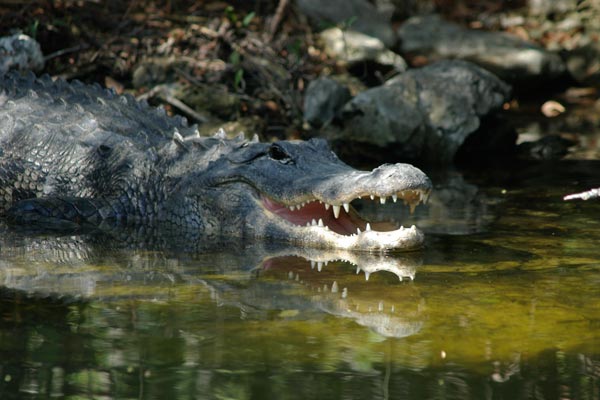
72	139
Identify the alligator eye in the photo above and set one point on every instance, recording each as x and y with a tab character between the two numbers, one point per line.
279	154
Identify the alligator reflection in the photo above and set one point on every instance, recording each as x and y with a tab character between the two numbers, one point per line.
88	266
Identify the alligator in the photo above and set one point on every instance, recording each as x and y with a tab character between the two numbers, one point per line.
76	156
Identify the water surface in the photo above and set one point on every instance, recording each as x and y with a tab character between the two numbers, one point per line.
502	303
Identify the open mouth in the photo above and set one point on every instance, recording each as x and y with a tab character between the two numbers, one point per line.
341	217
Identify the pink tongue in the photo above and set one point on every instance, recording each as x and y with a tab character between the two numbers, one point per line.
342	225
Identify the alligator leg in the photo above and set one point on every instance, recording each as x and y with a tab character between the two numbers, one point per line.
64	213
589	194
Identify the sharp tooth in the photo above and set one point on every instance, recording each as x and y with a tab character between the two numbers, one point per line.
327	206
312	265
313	222
382	200
358	231
346	207
413	228
402	227
321	222
372	197
308	224
319	266
336	211
368	227
292	208
395	197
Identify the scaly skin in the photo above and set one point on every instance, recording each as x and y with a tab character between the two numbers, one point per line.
73	156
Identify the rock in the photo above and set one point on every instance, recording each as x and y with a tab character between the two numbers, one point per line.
322	100
354	47
546	7
550	147
360	15
424	114
21	52
509	57
214	98
583	64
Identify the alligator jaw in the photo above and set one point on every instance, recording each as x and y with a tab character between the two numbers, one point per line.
320	224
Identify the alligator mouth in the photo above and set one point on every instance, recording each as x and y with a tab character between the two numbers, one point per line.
341	218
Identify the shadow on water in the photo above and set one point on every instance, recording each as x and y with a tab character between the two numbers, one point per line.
503	303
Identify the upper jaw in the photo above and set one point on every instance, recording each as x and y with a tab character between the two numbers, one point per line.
324	217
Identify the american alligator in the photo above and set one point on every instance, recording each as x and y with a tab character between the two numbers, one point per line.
75	155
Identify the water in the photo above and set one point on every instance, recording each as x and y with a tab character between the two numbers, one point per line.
502	304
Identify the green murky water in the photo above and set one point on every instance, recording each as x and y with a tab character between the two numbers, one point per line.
504	303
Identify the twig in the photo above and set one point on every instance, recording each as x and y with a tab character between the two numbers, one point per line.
67	50
162	92
277	19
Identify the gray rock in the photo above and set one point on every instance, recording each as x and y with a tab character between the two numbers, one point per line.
19	51
424	114
363	16
545	7
583	64
509	57
322	100
353	47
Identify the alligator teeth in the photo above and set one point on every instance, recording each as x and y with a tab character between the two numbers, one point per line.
313	222
358	231
372	197
321	223
346	207
395	197
382	200
292	208
368	227
327	206
336	211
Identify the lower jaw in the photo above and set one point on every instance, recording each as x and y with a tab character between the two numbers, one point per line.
408	239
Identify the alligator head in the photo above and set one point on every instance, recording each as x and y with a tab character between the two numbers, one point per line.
300	192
